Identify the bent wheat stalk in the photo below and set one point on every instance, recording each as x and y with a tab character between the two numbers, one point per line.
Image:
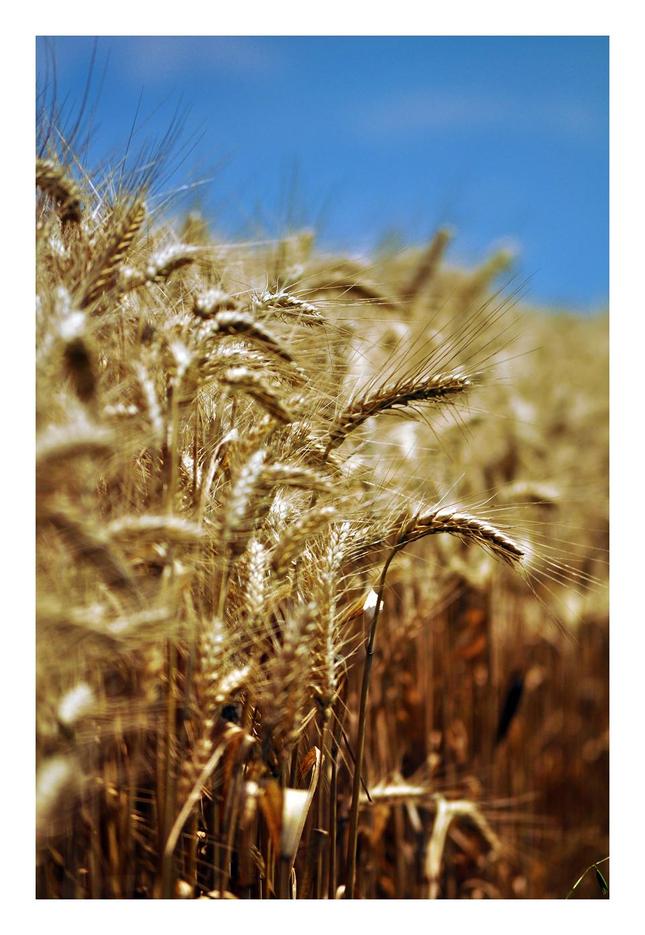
461	524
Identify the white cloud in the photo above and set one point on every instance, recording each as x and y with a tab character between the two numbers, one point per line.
442	109
151	59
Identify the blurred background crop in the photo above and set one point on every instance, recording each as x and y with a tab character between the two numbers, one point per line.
372	141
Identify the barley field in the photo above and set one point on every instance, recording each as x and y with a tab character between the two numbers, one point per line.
321	567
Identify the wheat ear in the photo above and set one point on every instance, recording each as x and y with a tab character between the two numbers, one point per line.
103	273
396	396
52	179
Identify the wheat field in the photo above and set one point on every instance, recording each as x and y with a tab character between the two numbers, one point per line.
321	567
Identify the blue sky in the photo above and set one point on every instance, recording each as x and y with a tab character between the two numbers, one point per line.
374	138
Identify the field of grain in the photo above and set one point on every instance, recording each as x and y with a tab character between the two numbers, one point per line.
321	566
